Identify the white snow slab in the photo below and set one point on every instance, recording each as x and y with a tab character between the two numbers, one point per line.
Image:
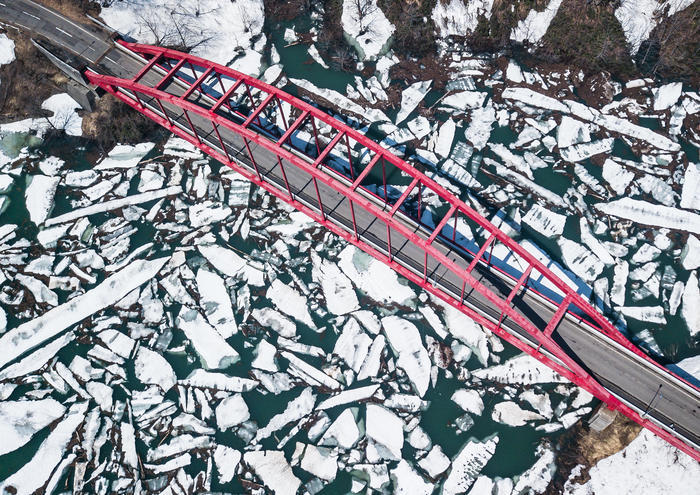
469	400
580	260
337	288
276	321
314	374
690	255
523	370
218	381
289	301
216	301
465	330
207	212
223	259
637	20
537	478
545	221
535	25
464	100
231	411
348	397
341	101
319	461
411	97
34	333
435	463
352	345
7	50
572	131
405	480
511	414
374	278
459	17
479	130
365	22
209	345
467	465
690	196
34	475
445	136
39	195
645	213
296	409
274	471
691	303
343	432
114	205
227	460
648	314
151	368
385	432
667	95
647	465
64	116
405	341
21	420
690	366
582	151
125	156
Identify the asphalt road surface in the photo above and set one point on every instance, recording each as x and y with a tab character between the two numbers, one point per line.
659	395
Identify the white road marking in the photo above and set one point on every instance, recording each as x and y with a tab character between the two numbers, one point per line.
31	15
64	19
115	63
64	32
3	4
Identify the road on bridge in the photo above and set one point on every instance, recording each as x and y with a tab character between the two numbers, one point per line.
657	395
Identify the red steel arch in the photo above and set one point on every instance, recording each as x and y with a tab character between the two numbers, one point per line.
163	87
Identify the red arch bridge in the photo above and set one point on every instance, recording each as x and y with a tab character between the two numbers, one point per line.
378	202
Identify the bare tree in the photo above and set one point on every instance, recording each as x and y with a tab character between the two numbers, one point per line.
364	13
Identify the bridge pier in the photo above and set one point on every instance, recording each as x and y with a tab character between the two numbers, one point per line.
602	418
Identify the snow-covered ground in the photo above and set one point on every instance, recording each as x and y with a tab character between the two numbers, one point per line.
7	50
226	32
647	465
367	26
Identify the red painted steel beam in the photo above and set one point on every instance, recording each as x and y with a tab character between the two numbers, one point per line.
195	85
170	74
365	172
521	281
442	224
254	115
147	67
292	128
227	95
403	196
606	327
326	151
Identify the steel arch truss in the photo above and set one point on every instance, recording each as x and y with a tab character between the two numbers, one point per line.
369	197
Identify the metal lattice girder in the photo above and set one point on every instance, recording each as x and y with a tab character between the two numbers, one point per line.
210	108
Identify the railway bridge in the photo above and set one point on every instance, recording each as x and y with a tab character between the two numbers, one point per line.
384	206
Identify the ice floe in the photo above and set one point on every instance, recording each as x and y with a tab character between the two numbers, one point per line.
405	341
467	465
